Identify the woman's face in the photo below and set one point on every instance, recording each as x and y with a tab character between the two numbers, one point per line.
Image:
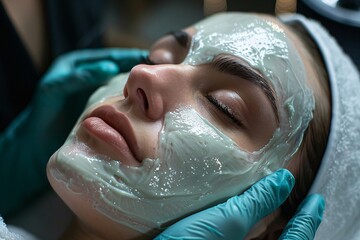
215	111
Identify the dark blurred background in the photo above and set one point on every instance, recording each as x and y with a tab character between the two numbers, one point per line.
141	22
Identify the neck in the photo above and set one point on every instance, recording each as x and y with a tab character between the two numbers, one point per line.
77	231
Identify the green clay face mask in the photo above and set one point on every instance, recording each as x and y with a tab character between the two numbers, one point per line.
197	165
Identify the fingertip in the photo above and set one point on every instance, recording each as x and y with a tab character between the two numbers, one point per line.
268	194
282	180
285	176
103	67
314	205
307	219
144	52
108	67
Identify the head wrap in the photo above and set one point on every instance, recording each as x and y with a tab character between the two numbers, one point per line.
338	178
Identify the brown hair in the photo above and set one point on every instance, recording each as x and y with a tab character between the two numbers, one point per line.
307	160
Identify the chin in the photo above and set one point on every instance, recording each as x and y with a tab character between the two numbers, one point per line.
94	222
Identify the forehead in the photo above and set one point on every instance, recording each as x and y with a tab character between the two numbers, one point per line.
244	35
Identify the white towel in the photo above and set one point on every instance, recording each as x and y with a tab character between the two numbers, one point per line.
14	233
338	178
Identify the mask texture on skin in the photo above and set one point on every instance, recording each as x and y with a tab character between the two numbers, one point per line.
195	161
197	165
264	46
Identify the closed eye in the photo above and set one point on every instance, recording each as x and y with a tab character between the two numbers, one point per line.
237	67
224	109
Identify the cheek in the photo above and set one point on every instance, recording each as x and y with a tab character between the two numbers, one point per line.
261	119
187	144
193	146
197	166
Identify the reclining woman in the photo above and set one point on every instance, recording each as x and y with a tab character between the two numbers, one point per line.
218	106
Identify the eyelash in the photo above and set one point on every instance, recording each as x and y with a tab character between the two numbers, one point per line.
224	109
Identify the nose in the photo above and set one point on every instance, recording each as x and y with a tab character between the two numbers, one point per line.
157	89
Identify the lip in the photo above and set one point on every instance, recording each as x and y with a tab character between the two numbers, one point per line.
113	127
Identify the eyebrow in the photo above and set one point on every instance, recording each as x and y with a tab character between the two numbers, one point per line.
238	67
181	37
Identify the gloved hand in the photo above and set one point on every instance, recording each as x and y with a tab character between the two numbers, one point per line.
38	131
306	220
234	218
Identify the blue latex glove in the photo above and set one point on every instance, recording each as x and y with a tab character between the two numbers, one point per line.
38	131
234	218
306	220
